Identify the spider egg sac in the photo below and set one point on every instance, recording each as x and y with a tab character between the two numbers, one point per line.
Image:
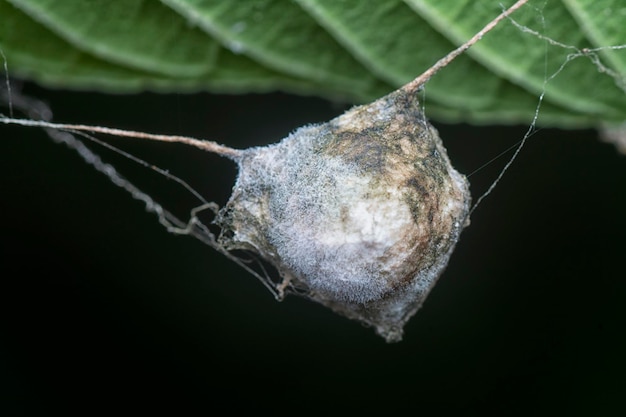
360	214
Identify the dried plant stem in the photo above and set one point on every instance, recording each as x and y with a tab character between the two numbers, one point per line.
426	75
209	146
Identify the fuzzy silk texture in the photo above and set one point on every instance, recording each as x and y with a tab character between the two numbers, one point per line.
360	214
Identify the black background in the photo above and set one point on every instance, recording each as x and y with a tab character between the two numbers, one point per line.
102	309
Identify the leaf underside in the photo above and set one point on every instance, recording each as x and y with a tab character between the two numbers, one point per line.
569	56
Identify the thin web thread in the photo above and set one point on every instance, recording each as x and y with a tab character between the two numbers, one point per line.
590	53
528	133
36	109
143	163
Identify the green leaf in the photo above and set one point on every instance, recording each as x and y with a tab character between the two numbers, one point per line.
568	56
527	59
278	34
406	47
124	32
34	52
409	46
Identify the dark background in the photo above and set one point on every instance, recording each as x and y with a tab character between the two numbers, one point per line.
102	309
